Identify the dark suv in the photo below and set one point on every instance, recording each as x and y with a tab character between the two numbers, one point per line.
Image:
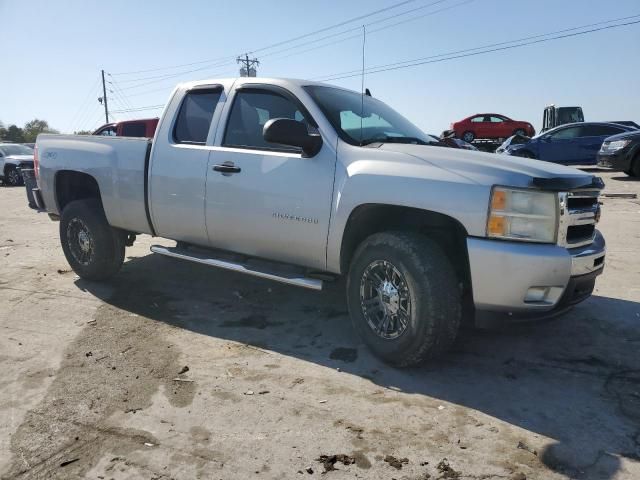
621	152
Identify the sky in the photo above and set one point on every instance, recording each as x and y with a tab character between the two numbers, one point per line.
54	51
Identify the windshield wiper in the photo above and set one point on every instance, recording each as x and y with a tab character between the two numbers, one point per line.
390	139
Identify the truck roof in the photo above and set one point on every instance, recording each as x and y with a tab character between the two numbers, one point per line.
273	80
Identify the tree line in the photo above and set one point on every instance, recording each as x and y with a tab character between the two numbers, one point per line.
26	134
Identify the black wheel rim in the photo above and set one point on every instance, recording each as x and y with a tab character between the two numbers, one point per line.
385	299
14	177
80	241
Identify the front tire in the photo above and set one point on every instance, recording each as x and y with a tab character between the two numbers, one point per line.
403	297
94	250
635	166
13	177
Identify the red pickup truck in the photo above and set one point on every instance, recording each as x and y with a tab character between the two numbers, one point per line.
145	127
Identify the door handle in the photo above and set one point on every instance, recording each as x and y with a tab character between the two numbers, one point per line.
227	168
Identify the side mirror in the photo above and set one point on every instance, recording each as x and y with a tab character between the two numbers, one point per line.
294	133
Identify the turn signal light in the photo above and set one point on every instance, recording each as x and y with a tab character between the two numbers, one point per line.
496	225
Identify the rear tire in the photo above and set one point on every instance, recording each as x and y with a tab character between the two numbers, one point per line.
468	136
520	131
94	250
403	297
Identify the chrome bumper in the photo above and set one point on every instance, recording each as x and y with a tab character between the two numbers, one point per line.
504	274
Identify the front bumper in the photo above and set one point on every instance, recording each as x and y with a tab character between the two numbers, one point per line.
532	279
619	161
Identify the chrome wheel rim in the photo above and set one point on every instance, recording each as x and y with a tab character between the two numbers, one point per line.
468	137
385	299
80	241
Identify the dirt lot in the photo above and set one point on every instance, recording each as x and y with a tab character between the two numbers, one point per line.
91	383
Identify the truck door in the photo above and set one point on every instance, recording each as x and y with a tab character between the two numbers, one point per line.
264	199
178	172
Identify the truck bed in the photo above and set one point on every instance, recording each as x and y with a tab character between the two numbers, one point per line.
119	165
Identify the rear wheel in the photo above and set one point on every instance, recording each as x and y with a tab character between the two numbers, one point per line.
520	131
403	297
92	247
468	136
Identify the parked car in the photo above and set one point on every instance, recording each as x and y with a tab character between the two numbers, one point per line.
490	126
571	144
13	157
145	127
621	152
627	123
284	180
512	140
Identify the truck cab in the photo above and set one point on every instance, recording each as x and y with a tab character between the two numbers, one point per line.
555	116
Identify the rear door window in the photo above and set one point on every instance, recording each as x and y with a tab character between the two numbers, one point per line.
133	130
600	130
194	118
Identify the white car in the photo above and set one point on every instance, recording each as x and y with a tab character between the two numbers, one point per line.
14	157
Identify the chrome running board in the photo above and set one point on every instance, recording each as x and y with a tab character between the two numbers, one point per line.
262	271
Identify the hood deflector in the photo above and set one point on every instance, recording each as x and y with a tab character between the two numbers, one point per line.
560	184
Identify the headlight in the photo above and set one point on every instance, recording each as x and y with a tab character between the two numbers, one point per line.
528	215
610	147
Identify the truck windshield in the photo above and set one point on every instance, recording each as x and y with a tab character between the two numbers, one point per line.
345	111
570	115
16	150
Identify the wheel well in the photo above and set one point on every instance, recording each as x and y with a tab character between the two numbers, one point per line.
368	219
71	185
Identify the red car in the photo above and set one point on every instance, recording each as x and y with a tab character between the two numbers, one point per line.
490	125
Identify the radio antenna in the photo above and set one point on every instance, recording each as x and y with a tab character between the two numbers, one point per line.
364	41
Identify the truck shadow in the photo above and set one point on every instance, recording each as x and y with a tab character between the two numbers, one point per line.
575	379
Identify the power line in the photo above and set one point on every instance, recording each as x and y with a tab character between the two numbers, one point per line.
139	109
86	103
472	51
283	42
358	35
359	28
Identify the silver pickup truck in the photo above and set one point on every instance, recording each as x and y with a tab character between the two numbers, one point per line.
302	182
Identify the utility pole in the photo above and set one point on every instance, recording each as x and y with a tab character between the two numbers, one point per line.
104	99
249	66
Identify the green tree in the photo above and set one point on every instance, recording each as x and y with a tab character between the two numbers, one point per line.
83	132
35	127
14	134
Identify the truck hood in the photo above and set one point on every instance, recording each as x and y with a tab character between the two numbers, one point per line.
492	169
18	158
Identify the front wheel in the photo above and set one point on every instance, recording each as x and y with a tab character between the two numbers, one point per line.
93	248
13	177
403	297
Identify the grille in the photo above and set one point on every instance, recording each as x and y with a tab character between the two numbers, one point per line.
579	213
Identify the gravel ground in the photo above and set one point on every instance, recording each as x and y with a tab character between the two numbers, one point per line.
176	370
